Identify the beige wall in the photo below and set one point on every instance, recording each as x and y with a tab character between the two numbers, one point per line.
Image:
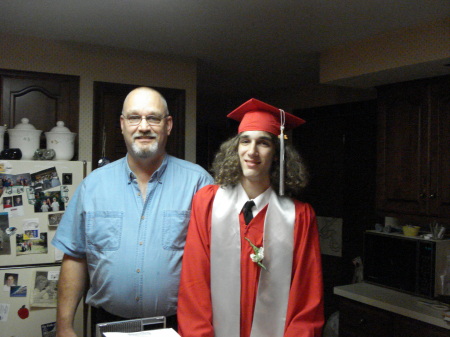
93	63
410	53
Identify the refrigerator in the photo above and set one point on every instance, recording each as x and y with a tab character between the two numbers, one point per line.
33	197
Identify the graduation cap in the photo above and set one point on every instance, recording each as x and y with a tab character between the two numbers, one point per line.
255	115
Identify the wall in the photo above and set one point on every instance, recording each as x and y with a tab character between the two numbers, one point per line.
94	63
397	56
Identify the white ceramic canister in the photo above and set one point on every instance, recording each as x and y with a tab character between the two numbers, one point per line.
25	137
2	137
62	141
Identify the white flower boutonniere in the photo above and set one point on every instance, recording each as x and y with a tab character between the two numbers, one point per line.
258	256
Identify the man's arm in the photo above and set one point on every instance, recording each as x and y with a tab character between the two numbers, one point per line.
71	287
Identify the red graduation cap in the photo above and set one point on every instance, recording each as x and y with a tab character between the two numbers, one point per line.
255	115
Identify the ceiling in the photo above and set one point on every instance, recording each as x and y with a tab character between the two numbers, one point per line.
240	45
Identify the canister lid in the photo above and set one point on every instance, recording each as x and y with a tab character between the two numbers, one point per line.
60	128
25	125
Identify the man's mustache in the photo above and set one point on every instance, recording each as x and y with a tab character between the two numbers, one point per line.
145	134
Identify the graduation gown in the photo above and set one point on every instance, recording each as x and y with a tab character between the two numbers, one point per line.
304	316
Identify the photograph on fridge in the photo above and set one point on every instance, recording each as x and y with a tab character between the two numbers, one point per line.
26	246
18	291
45	289
48	329
45	179
10	279
49	201
54	219
17	200
11	180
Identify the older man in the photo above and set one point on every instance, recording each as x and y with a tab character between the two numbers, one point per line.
123	232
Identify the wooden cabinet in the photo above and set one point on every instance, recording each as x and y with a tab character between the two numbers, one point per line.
361	320
356	319
42	98
414	148
405	326
440	147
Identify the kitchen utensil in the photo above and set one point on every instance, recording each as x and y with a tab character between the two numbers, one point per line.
437	230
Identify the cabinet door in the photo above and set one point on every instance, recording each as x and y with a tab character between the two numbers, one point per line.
404	326
357	319
439	196
42	98
402	175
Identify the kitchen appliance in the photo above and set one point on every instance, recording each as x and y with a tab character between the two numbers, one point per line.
409	264
34	196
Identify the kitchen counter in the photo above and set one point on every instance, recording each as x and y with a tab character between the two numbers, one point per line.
397	302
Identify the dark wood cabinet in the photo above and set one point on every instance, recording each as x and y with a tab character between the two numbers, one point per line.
362	320
412	328
42	98
414	148
356	320
440	147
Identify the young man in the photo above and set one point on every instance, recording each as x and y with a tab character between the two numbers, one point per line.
260	276
128	221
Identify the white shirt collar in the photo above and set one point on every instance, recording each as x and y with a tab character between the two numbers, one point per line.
260	201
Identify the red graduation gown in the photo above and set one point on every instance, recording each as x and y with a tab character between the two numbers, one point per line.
305	308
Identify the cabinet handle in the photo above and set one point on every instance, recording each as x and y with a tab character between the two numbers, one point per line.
433	196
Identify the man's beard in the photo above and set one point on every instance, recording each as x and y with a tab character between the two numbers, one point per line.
145	151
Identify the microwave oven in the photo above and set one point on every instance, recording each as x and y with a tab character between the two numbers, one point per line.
409	264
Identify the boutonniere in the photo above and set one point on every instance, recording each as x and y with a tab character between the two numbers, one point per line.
259	254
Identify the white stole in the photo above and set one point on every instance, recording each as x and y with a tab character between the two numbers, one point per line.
274	284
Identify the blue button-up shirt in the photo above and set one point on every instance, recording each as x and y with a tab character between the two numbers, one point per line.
133	247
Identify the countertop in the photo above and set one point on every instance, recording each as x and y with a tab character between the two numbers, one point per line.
394	301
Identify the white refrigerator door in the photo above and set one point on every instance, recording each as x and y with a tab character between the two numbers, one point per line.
41	313
34	195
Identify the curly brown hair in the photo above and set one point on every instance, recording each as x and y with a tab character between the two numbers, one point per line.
227	170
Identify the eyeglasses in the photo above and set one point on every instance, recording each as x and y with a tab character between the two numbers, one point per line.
150	119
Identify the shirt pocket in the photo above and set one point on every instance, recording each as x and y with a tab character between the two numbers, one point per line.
175	224
104	230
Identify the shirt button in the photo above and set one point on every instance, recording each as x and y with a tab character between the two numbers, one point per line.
141	243
138	270
137	299
142	217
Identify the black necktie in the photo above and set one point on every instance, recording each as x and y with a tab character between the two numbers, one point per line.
247	209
